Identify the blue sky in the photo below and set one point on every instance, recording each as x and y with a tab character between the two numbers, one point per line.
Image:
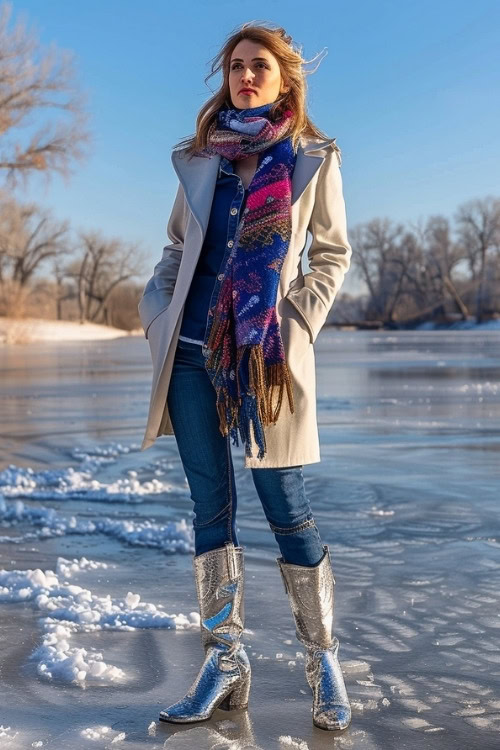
410	91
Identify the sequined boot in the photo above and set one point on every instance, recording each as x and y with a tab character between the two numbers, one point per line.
310	592
224	678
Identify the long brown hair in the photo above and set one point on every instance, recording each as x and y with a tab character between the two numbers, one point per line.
290	61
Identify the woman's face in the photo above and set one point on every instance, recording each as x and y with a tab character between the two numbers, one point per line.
254	75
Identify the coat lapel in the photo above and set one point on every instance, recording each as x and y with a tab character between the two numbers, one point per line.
198	177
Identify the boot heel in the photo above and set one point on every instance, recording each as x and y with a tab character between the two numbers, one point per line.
238	698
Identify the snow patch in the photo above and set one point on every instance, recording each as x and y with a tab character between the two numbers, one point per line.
294	742
99	733
81	483
68	609
175	536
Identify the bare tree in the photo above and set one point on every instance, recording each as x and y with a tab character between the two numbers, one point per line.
414	273
105	264
63	290
29	237
428	257
32	82
479	233
377	249
443	256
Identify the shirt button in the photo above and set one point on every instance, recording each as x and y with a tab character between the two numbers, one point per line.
230	243
234	211
220	276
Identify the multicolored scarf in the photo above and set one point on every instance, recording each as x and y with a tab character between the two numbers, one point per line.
243	349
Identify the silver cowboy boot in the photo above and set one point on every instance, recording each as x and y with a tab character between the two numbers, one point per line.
310	592
224	678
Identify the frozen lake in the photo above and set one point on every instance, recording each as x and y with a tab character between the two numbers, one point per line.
98	616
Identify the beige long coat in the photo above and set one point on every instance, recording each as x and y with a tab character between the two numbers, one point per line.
303	300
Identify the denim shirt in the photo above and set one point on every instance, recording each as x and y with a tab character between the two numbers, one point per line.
227	206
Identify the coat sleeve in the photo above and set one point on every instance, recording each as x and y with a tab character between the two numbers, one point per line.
329	253
160	287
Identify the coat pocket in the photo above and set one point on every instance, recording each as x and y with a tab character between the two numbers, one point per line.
300	315
294	331
152	304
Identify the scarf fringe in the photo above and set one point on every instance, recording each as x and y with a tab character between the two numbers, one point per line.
254	409
263	381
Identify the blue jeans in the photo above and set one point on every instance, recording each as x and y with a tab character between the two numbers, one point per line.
207	461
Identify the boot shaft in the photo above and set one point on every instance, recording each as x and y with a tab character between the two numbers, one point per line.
219	578
311	594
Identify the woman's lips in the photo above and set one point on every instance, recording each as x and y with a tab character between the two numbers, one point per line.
247	91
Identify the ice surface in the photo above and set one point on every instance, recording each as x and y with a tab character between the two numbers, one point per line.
98	612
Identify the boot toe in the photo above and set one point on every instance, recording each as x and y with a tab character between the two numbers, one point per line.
336	717
181	713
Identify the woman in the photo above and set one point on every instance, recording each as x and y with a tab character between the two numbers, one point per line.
231	321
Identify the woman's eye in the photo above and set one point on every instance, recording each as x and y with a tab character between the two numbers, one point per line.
237	65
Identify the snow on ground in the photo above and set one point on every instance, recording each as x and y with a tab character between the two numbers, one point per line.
102	733
71	483
174	536
68	609
80	484
26	330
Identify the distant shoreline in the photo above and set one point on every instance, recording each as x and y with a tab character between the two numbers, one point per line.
30	330
459	325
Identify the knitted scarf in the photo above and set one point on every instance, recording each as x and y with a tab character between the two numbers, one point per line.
243	349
